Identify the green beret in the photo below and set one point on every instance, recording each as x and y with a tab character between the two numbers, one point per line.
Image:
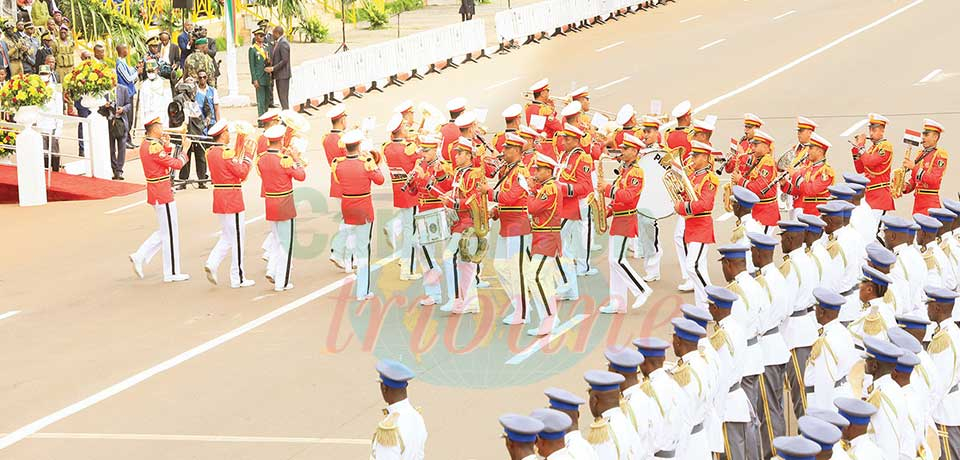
200	41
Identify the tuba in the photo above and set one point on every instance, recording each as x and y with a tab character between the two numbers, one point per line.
675	178
246	143
481	226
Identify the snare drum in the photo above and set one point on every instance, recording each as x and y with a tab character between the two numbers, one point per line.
432	226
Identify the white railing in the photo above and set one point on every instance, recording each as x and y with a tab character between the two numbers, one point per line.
547	16
365	66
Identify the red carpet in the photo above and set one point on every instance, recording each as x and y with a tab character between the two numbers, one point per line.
66	187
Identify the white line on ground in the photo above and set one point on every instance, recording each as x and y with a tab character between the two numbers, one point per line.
715	42
788	13
124	208
542	342
930	76
39	424
199	438
691	18
607	85
9	314
260	297
854	127
612	45
247	222
497	85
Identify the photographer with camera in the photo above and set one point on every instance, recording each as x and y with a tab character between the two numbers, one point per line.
201	109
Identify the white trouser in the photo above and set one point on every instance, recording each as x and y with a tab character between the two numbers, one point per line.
696	266
357	239
427	254
681	248
586	237
543	289
407	245
338	246
622	275
648	241
511	264
461	282
232	235
269	245
572	241
281	259
166	237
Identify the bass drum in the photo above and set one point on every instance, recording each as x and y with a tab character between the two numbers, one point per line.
655	202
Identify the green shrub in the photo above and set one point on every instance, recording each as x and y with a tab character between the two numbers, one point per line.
400	6
312	30
376	15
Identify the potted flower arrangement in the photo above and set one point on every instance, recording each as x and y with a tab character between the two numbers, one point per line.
25	94
90	81
8	142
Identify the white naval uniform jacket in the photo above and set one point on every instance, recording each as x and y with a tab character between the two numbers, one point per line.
943	273
672	399
733	405
747	225
862	448
911	267
926	381
887	317
864	221
623	434
832	357
918	414
800	327
413	434
562	454
700	392
850	255
747	311
944	349
891	427
649	415
781	295
579	448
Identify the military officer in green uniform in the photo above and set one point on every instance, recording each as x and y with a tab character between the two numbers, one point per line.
259	58
64	53
199	60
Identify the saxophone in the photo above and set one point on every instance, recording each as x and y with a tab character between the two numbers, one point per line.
598	203
899	177
727	197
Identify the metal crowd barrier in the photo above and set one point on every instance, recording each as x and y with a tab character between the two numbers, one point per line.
549	17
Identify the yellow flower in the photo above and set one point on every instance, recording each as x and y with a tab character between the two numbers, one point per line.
21	95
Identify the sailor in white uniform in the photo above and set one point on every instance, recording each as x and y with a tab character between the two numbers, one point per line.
402	435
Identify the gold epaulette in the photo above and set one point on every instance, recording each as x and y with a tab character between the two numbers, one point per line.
388	433
155	148
785	267
410	149
873	324
628	411
719	338
286	161
834	249
681	374
930	260
599	432
875	398
734	287
940	342
228	153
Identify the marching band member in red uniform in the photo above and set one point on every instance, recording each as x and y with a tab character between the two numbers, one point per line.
408	128
462	283
582	95
401	156
739	162
575	184
269	119
278	169
698	219
805	128
542	106
627	120
449	132
157	165
751	123
227	172
649	227
355	174
510	259
875	163
758	178
925	172
430	178
544	204
333	148
531	140
702	132
572	115
623	196
467	124
511	118
808	184
679	136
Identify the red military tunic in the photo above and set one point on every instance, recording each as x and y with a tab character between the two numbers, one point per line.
680	136
354	176
756	178
466	189
809	186
552	125
924	180
403	155
157	165
624	194
334	149
620	132
449	134
875	163
436	180
740	160
278	172
575	182
545	218
262	145
797	204
512	200
549	148
227	172
500	140
699	214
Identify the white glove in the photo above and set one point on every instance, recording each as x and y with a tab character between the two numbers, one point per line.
523	183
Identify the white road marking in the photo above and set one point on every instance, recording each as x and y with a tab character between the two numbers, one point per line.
612	45
27	430
124	208
497	85
799	60
199	438
542	342
788	13
691	18
856	126
930	76
247	222
259	297
607	85
9	314
712	43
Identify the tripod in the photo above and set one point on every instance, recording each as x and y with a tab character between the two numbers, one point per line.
343	29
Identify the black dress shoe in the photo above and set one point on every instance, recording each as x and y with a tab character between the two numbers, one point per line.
116	177
202	185
120	177
182	187
130	146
